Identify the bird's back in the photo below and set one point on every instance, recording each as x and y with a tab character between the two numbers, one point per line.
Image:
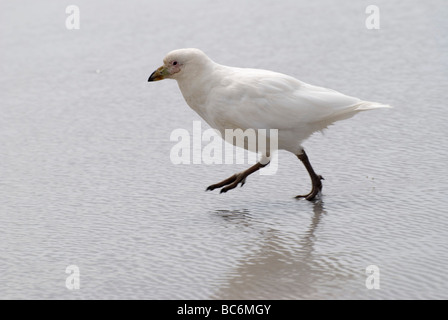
240	98
274	100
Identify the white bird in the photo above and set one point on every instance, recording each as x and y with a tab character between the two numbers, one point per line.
242	98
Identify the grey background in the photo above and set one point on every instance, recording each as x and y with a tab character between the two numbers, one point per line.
86	178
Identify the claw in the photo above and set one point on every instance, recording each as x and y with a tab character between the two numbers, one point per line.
310	196
316	190
233	181
229	183
211	188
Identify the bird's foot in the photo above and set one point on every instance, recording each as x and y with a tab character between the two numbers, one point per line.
309	196
316	190
229	183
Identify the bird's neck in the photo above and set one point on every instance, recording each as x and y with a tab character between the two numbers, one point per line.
194	94
196	87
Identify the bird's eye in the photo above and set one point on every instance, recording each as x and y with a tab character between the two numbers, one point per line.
174	63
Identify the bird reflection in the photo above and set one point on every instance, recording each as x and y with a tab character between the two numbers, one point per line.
283	265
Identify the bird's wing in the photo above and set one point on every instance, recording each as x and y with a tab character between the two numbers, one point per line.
260	99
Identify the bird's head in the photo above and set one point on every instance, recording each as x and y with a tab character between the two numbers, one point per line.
180	63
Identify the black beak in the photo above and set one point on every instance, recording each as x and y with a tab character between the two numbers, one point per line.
151	77
160	74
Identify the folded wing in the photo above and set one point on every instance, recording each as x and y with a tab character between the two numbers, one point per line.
260	99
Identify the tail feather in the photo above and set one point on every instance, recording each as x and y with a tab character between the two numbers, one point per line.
348	112
368	105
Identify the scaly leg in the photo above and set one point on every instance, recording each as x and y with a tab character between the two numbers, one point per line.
315	178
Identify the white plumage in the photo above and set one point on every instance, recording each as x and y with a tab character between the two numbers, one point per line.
241	98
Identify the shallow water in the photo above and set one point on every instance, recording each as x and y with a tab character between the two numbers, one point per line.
86	177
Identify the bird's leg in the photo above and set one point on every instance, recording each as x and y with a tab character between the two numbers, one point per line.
233	181
315	178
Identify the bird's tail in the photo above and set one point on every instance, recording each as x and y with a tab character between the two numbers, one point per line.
368	105
349	112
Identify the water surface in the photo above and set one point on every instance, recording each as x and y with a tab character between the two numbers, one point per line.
86	178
